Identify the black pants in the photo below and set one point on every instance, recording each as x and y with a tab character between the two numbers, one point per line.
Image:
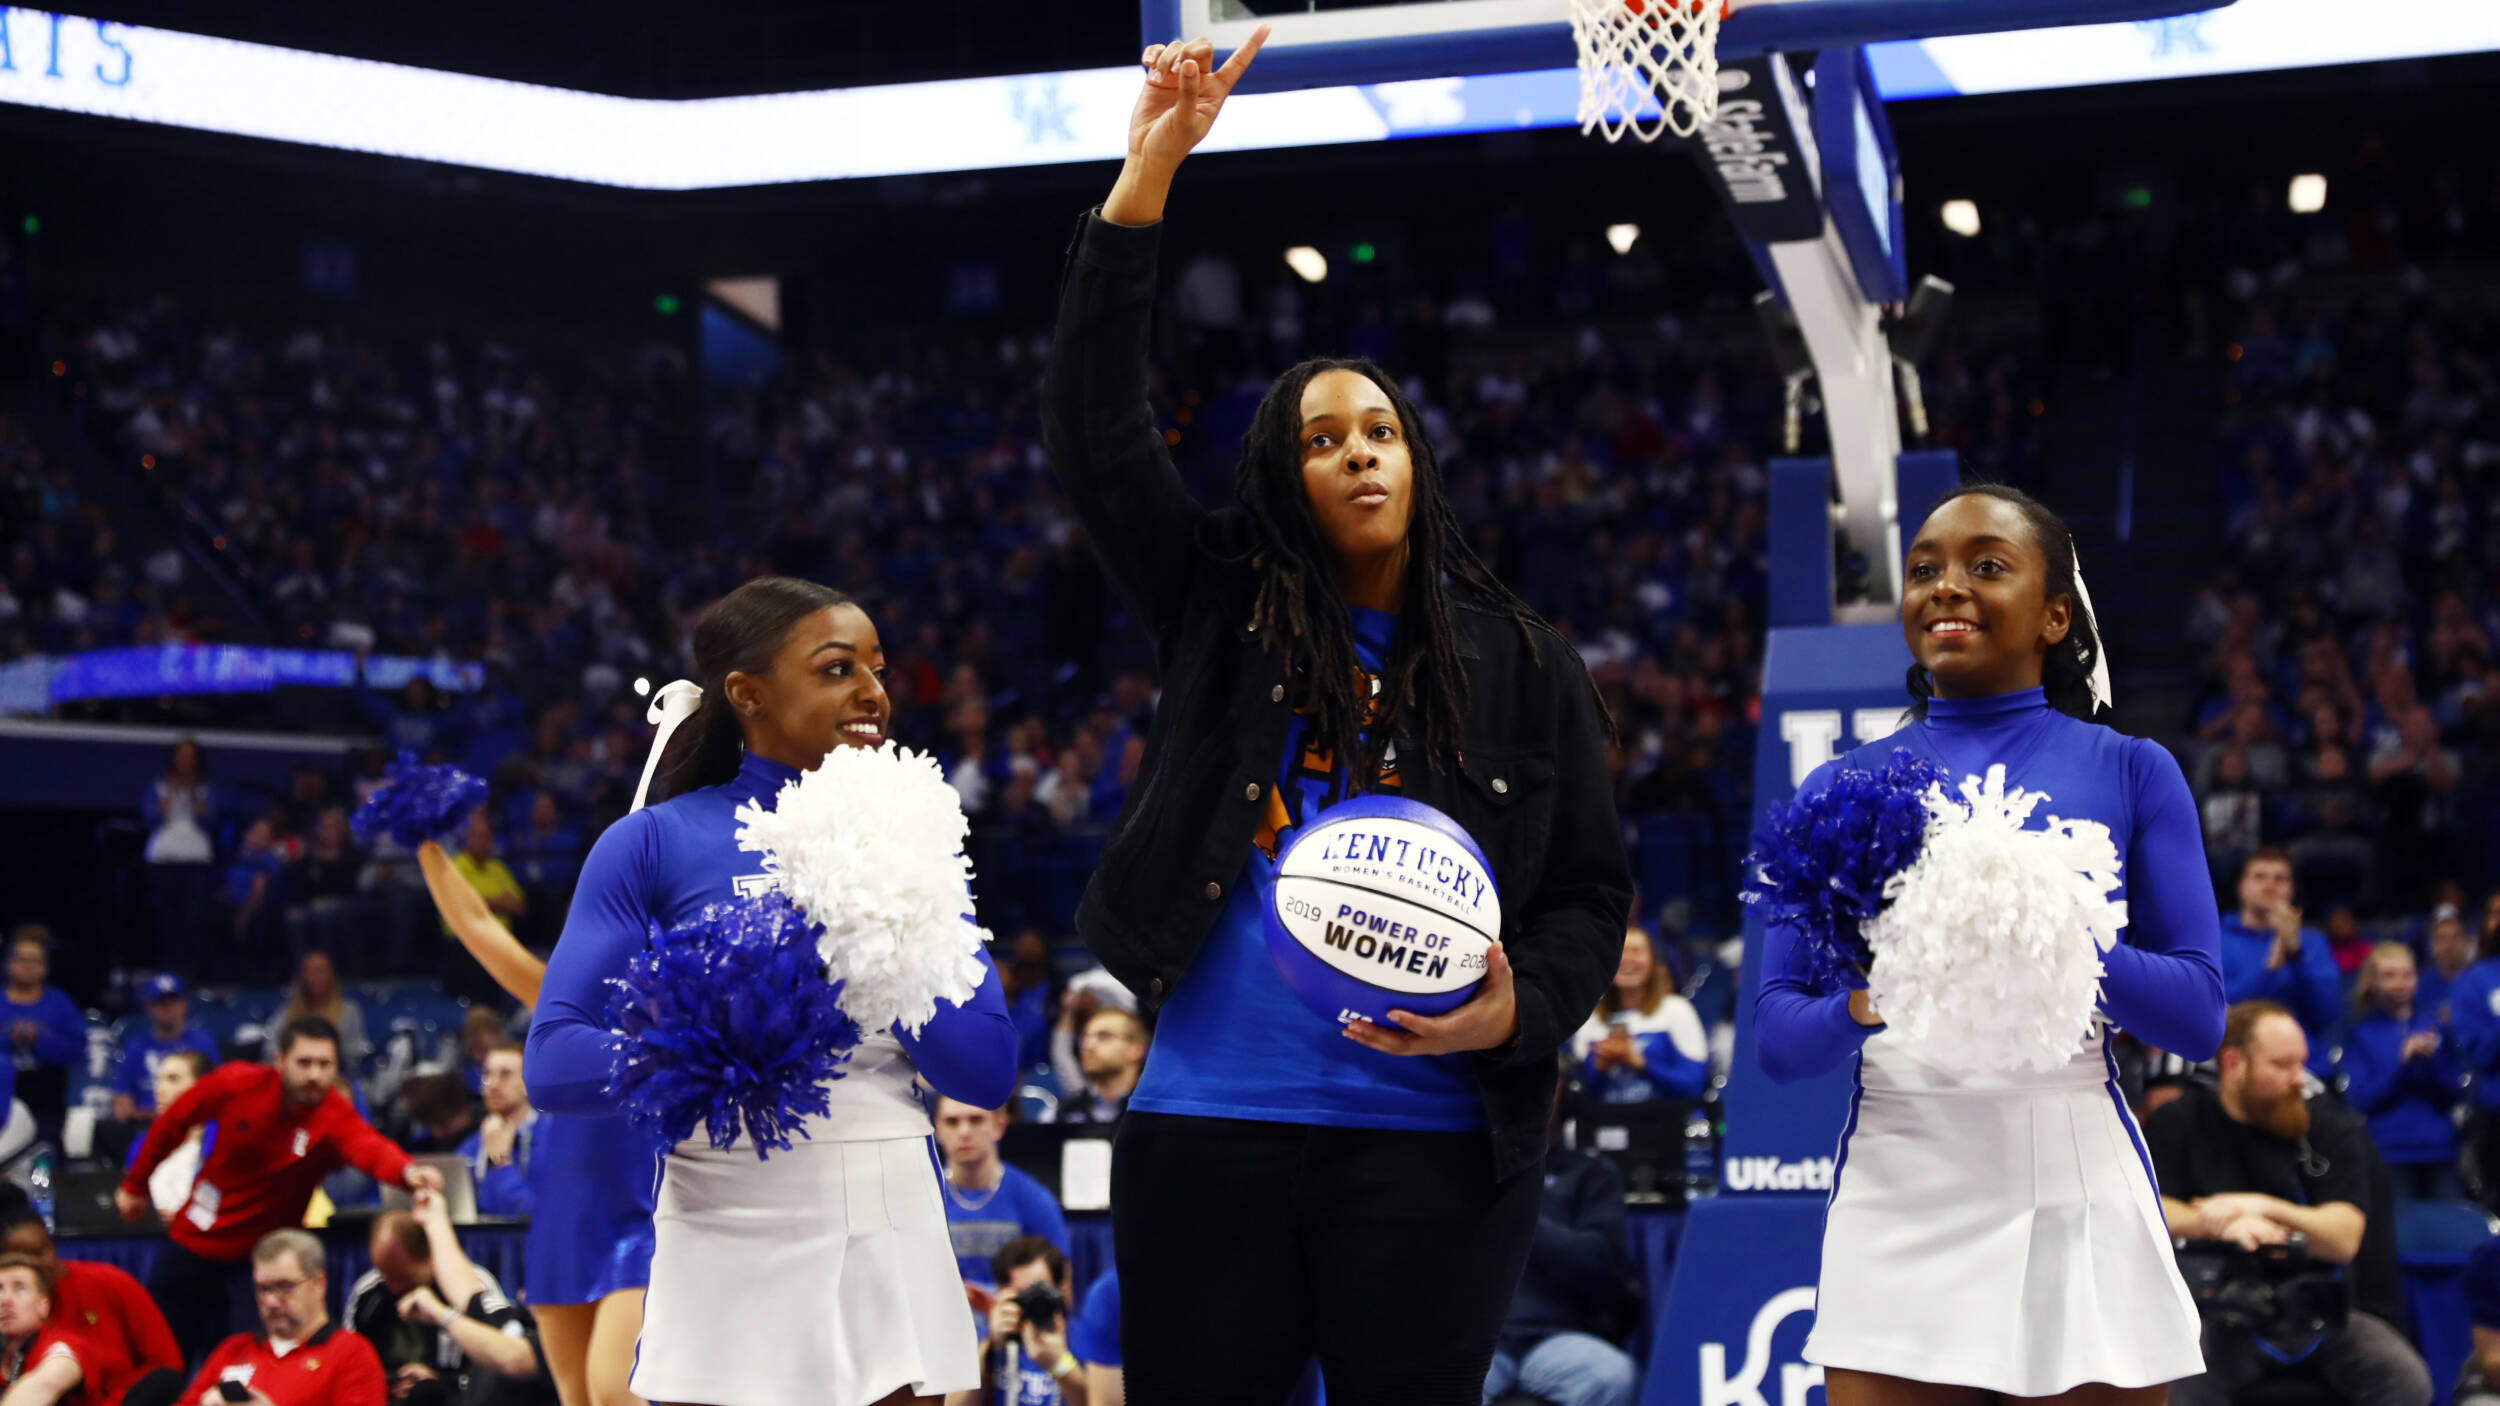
1244	1248
198	1297
2368	1363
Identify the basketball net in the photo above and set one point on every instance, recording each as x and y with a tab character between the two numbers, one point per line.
1647	67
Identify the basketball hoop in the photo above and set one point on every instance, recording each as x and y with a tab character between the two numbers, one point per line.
1638	53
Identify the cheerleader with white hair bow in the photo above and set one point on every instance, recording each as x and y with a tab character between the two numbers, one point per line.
821	1272
1995	1231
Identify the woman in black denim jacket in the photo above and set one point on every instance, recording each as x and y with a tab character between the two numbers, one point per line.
1281	1187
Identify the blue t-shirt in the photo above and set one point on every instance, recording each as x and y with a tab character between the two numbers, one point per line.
1094	1334
135	1073
1032	1385
1233	1042
980	1223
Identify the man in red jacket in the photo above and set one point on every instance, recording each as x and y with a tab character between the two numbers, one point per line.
299	1357
97	1302
279	1132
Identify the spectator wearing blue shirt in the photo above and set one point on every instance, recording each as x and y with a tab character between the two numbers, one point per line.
2402	1073
2268	956
169	1186
2450	951
2479	1385
498	1153
253	894
168	1029
989	1203
47	1034
1094	1336
2474	1022
1042	1371
1645	1041
1027	978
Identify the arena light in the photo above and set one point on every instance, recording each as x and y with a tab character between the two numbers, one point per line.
1310	263
1623	237
1961	217
2308	194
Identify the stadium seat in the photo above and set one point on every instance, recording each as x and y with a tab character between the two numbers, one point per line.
2441	1231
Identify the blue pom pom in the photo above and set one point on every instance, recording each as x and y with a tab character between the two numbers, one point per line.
727	1022
1819	862
418	803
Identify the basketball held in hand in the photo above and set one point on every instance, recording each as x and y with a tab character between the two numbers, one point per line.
1382	904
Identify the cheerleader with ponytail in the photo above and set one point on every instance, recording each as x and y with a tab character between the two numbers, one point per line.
591	1182
821	1272
1994	1230
590	1178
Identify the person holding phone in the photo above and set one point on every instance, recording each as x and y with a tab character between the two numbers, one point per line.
299	1357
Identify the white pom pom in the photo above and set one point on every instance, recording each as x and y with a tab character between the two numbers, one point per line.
1988	951
870	845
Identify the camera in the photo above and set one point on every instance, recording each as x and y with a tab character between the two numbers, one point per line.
1041	1306
2275	1295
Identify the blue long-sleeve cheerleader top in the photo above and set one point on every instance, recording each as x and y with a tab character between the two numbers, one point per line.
665	864
2163	979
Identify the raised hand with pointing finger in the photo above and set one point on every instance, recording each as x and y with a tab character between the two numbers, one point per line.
1175	110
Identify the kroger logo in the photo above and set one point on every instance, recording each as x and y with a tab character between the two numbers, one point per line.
1772	1174
1718	1388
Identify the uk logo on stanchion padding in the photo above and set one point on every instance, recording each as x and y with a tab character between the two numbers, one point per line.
1745	1386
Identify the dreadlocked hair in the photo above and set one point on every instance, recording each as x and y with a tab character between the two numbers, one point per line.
2066	671
1298	613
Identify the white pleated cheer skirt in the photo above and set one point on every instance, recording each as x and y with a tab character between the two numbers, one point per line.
822	1275
2002	1234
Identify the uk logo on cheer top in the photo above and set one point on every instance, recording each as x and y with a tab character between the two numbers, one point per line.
1767	1375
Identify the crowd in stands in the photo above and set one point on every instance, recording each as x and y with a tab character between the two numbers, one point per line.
2352	708
559	523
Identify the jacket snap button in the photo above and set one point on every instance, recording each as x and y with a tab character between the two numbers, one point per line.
1214	891
1276	694
1158	986
1500	787
1250	792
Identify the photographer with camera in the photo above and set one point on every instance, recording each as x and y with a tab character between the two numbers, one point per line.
2254	1163
1024	1349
